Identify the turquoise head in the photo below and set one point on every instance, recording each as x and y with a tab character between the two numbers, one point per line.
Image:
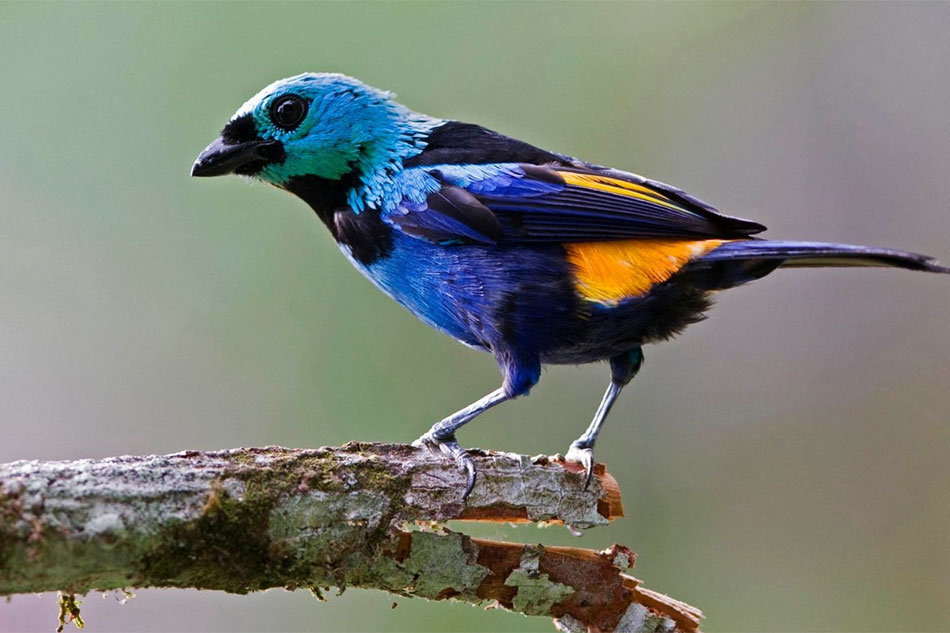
317	125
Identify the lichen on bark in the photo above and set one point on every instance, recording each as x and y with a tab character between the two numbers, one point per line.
250	519
536	592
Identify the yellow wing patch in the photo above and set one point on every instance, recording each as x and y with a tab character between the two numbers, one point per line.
608	272
618	187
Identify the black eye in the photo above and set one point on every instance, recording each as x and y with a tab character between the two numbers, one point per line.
288	111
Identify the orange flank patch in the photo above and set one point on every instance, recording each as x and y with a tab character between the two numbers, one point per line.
619	187
608	272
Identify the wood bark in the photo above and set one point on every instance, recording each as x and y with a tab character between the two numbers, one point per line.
361	515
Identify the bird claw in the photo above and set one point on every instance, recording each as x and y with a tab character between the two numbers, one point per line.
449	447
584	455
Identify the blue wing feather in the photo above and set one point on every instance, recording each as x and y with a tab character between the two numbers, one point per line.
517	203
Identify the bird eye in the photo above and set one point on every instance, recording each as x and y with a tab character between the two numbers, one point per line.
288	111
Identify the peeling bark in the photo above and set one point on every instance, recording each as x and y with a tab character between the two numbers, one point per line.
249	519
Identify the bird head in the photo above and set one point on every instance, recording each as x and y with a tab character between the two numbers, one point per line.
322	125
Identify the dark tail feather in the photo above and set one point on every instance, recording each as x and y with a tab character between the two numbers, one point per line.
738	262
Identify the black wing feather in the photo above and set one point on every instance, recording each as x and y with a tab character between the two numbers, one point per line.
563	209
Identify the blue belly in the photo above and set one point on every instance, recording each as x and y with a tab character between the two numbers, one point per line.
523	299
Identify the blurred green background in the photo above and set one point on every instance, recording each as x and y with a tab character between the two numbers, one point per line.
785	464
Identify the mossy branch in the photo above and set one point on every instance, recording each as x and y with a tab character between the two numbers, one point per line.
361	515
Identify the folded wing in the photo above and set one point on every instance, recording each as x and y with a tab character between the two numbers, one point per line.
517	203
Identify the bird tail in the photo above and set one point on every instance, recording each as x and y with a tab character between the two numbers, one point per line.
738	262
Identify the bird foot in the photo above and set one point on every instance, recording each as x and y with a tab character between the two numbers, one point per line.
582	454
449	447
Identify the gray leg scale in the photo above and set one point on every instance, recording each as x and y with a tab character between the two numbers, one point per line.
622	368
446	427
442	433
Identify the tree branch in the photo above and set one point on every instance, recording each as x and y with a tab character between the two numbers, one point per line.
360	515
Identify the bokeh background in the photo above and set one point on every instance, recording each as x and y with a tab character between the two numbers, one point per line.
785	464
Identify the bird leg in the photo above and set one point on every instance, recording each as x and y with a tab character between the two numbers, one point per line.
442	434
582	449
623	368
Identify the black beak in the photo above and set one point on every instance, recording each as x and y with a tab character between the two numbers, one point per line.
246	158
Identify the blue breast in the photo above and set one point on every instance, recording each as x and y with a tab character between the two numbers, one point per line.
480	295
438	285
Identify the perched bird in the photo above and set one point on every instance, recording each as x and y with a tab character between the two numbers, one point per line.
533	256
